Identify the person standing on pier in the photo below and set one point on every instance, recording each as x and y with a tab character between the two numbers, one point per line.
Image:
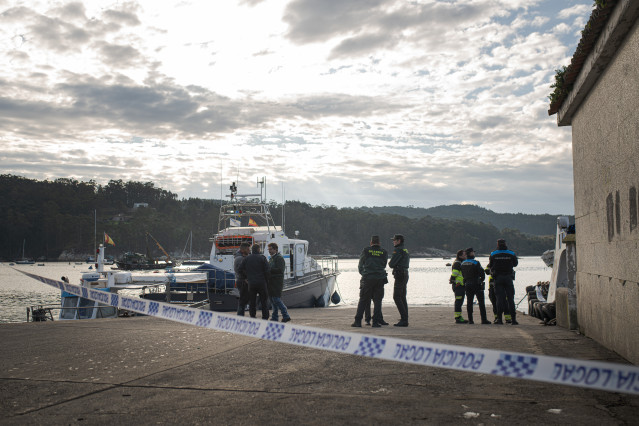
399	264
501	264
457	282
256	268
474	276
372	268
240	278
276	283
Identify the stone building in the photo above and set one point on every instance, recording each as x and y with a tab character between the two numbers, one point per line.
601	104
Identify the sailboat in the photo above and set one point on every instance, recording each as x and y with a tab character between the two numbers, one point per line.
190	261
24	260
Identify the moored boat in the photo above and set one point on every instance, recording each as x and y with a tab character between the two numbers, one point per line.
114	281
309	281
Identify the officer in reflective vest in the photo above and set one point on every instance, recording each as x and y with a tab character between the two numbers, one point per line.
457	283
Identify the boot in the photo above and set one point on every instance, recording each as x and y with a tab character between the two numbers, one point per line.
401	323
513	320
470	319
357	323
460	320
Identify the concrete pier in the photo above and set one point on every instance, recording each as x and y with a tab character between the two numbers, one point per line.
144	370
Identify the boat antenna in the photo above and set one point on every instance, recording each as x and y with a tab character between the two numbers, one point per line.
262	184
283	205
221	184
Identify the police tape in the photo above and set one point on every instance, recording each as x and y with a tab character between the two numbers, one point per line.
572	372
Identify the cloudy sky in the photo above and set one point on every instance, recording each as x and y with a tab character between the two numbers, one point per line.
339	102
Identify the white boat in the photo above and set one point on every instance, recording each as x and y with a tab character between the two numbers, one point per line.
309	281
113	281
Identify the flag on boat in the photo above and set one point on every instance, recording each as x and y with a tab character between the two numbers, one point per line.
252	222
234	222
108	240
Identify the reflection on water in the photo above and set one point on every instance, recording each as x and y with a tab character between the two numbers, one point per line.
428	281
427	285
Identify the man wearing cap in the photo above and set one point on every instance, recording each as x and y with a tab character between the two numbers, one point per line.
501	264
372	268
399	264
474	276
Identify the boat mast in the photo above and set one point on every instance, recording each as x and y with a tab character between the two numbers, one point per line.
95	231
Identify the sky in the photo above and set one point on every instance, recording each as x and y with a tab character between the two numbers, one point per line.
344	103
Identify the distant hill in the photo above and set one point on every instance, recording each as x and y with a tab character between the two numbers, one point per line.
60	219
533	224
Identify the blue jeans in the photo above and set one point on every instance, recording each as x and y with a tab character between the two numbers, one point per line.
277	304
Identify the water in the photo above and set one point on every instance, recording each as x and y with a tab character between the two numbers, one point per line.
427	285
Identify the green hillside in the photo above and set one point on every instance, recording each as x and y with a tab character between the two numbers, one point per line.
57	219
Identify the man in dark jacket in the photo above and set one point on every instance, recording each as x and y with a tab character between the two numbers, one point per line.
240	278
276	283
474	276
372	268
399	264
501	264
255	267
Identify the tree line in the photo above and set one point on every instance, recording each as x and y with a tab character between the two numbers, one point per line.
52	217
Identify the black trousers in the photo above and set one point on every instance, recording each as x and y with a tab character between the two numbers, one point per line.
242	286
505	290
255	290
371	289
472	291
460	294
493	298
399	293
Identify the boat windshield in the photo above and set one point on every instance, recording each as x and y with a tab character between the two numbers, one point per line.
229	244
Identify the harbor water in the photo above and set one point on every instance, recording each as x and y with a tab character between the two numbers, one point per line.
427	285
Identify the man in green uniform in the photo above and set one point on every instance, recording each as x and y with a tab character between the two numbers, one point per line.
372	268
399	264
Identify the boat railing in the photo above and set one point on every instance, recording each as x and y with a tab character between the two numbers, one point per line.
37	313
328	264
223	282
41	312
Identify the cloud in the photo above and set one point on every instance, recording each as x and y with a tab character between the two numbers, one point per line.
356	101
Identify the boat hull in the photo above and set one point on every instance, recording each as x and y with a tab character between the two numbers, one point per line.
310	292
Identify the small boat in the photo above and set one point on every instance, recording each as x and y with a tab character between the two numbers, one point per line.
137	261
73	307
309	281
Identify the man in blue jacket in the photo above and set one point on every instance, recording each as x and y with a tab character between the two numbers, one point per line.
474	277
501	264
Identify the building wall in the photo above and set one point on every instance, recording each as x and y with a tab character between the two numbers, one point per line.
605	135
